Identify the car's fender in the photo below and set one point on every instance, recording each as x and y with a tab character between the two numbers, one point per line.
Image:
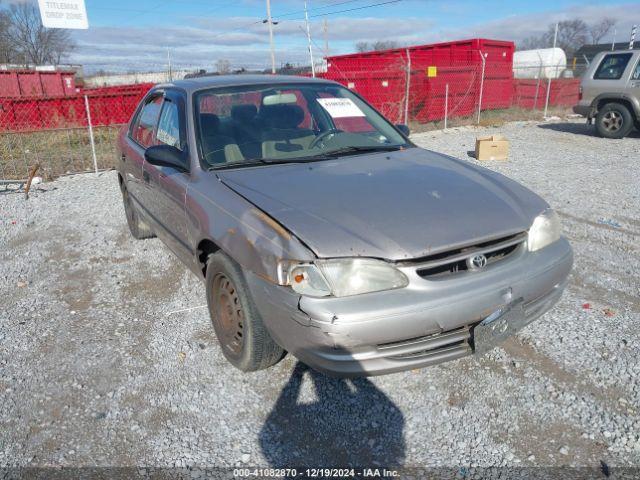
217	214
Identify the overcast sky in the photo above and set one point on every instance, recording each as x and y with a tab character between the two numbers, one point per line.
126	35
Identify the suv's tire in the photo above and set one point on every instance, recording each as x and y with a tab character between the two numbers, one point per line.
138	228
614	121
244	339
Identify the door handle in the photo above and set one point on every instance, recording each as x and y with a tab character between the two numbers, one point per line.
146	177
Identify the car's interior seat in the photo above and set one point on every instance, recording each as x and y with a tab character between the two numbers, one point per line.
281	136
246	130
217	147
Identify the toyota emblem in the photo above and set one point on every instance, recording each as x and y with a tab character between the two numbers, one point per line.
476	262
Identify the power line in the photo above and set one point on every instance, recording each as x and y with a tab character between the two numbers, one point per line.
354	9
288	14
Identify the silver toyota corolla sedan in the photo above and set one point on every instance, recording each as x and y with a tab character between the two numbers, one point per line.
320	230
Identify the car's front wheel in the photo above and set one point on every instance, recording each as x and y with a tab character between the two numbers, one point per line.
614	121
244	339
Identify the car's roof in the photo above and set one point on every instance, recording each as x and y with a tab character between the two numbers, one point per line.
200	83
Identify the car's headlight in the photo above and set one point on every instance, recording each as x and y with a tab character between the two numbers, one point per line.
341	277
544	231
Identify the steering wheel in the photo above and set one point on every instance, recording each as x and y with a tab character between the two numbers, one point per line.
319	139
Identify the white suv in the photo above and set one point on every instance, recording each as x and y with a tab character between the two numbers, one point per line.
610	93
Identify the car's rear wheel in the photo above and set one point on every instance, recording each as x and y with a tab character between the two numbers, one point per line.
244	339
614	121
138	228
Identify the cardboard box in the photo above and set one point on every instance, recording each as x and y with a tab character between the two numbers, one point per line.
495	147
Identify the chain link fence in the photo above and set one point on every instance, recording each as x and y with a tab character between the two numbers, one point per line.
63	135
426	87
78	133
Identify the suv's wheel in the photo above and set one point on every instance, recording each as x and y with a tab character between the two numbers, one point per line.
137	227
614	121
244	340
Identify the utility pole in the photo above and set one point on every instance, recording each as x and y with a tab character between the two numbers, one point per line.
170	76
306	20
613	42
325	29
555	39
270	22
633	36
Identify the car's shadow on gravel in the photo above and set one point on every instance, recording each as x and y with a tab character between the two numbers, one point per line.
579	129
349	423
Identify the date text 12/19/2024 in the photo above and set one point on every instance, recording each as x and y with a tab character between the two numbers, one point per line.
315	473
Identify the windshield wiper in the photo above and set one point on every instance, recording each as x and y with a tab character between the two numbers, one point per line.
362	149
312	158
266	161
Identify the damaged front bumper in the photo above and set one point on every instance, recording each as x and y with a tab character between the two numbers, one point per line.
426	323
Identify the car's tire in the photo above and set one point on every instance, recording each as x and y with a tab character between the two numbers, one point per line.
138	228
614	121
244	339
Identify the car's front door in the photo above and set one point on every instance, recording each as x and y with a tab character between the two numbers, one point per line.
139	137
166	186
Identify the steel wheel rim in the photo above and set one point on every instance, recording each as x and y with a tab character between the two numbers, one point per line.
229	313
612	121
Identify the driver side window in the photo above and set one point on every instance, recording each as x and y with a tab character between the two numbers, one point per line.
145	123
169	126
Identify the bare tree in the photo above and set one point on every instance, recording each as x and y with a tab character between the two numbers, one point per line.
31	41
7	52
223	66
572	34
599	30
532	43
363	47
377	45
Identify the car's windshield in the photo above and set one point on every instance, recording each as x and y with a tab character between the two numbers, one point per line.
282	123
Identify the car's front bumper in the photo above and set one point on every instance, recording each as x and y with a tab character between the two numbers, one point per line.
426	323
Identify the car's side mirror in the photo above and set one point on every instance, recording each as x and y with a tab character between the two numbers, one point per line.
166	156
404	129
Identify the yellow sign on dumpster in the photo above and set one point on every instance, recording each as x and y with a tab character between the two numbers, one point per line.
432	71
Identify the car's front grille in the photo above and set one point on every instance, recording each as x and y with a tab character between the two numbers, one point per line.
453	342
454	261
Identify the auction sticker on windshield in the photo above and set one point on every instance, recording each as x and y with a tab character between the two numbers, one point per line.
340	107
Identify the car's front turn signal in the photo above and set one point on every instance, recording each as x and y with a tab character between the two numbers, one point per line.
340	277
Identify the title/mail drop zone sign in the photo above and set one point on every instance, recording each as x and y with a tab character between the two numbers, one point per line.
63	14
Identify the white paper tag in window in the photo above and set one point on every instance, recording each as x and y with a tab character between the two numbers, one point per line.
340	107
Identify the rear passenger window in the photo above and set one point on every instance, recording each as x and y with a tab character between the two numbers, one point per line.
169	126
612	66
636	72
145	123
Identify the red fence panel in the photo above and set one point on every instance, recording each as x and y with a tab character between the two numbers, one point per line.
532	93
108	107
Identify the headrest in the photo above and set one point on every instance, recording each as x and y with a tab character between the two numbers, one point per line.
282	116
244	112
209	123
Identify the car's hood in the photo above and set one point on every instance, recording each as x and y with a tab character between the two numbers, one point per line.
397	205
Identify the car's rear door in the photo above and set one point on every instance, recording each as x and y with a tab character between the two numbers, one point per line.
138	138
166	186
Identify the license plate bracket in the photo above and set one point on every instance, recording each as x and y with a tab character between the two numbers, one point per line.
499	326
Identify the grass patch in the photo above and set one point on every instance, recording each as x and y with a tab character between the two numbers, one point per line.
58	152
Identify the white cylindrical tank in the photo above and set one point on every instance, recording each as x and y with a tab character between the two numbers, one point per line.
540	63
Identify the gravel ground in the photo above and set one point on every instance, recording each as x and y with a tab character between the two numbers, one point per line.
98	365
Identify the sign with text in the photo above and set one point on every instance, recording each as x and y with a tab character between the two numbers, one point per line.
340	107
63	14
